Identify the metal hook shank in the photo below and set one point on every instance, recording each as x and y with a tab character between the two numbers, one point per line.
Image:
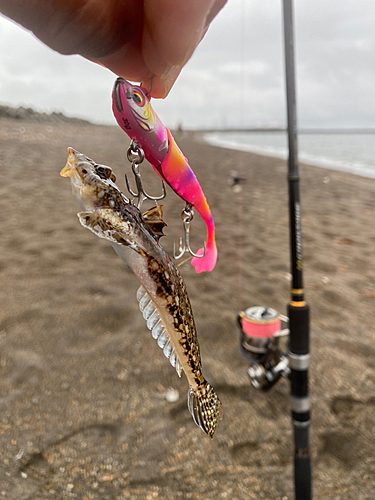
184	246
136	155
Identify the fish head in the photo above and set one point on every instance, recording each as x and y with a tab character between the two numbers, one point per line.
92	184
105	172
133	112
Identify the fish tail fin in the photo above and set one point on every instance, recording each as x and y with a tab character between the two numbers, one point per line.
205	407
206	263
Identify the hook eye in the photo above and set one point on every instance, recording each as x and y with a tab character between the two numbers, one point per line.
135	155
149	90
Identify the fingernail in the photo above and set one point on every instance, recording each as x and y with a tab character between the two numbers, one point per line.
162	86
167	71
169	79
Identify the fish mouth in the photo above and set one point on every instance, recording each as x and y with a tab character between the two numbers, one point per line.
70	168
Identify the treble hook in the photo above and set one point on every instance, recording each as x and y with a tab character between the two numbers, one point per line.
184	247
136	156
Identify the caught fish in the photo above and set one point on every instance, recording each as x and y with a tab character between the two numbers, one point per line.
162	297
133	112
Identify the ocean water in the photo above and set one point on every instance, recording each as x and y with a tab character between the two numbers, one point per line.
351	152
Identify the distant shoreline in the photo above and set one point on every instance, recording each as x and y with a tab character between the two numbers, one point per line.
23	113
351	160
29	114
300	131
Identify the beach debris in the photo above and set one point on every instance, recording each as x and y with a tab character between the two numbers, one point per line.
326	280
345	241
162	297
172	395
235	180
134	114
326	179
122	375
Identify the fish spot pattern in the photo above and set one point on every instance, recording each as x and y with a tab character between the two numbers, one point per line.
171	288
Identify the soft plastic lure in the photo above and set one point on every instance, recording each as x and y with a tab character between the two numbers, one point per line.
134	114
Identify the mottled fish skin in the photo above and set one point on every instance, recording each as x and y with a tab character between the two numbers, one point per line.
163	297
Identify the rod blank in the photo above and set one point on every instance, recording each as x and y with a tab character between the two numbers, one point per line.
298	310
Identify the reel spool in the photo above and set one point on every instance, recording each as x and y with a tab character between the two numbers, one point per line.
259	345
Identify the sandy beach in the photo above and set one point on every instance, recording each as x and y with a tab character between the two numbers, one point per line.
90	407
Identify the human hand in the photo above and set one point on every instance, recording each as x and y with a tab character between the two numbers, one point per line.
143	41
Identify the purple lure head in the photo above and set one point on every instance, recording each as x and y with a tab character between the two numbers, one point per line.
132	109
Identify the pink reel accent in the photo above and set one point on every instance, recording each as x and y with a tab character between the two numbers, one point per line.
260	330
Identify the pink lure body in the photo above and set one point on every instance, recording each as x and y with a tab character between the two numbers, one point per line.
133	112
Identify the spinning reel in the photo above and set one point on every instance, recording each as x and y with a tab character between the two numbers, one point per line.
261	331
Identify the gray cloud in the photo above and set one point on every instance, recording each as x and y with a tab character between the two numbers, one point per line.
236	76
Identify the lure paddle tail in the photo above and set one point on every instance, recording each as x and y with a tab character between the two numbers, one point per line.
134	114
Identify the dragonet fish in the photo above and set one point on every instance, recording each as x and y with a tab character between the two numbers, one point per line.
133	112
163	298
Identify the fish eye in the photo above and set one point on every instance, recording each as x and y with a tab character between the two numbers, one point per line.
138	98
102	171
80	165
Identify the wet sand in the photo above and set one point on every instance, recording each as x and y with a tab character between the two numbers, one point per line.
87	409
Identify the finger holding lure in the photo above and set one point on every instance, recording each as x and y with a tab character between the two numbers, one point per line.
133	112
163	298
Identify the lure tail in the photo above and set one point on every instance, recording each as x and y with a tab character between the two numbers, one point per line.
206	263
205	407
175	170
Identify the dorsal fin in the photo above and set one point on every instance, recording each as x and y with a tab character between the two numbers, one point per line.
154	220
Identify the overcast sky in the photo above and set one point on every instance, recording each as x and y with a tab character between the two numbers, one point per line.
236	76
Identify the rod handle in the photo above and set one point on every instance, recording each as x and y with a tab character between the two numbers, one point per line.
302	478
299	328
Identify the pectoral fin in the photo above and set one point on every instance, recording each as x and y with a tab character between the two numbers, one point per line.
104	227
154	220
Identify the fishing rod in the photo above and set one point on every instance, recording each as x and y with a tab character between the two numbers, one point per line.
261	327
298	309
